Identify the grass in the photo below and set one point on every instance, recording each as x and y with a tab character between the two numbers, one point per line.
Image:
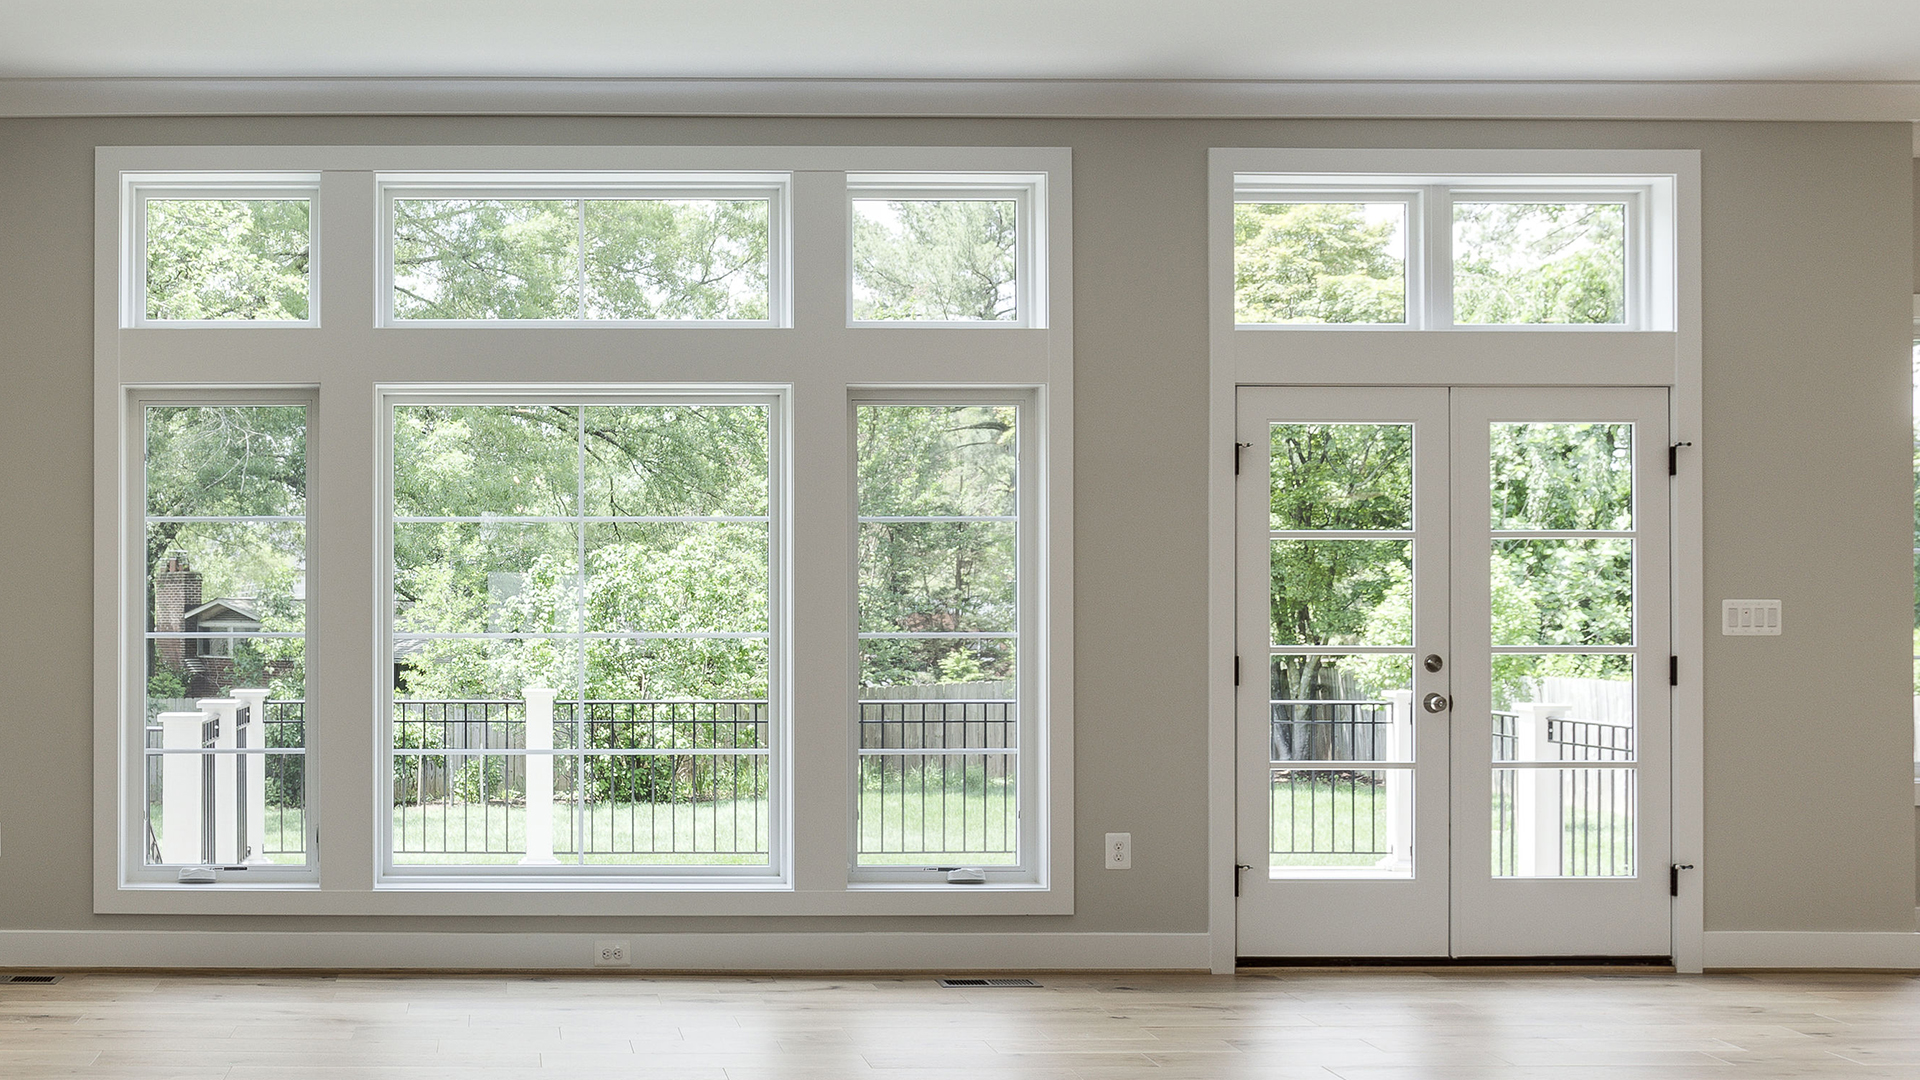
719	833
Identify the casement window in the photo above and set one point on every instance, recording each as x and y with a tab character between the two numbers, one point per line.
596	547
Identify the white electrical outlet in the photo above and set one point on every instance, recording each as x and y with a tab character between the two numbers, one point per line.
611	952
1750	618
1119	851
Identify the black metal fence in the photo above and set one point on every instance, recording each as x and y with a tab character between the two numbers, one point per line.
1597	807
939	780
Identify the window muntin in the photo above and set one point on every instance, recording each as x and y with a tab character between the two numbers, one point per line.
1327	260
207	251
223	497
698	251
1579	253
584	588
959	251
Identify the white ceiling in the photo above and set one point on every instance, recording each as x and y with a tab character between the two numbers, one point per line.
1789	40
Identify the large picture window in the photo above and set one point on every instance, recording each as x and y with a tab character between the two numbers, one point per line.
566	530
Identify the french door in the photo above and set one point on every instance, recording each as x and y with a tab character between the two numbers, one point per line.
1453	707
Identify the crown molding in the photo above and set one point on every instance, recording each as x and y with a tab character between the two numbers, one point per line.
1022	98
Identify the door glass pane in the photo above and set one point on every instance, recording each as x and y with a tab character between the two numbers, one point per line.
1539	263
1342	476
1563	822
1320	262
1342	592
1563	592
1342	708
1328	822
1562	476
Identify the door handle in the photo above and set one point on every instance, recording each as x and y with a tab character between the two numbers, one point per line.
1436	703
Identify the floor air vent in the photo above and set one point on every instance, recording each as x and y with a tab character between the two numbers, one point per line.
989	982
30	980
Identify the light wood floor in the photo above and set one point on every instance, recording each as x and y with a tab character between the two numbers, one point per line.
1431	1025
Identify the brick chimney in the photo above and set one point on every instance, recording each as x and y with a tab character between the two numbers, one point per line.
176	591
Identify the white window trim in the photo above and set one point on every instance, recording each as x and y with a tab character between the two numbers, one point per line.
819	361
139	189
1028	193
1669	357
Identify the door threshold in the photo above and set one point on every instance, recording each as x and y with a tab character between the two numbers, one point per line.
1638	962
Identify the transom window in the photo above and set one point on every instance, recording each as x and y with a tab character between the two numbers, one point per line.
1426	253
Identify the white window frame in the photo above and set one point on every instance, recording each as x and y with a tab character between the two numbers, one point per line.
1031	590
1650	259
774	187
131	597
1028	193
816	363
139	189
1662	351
778	870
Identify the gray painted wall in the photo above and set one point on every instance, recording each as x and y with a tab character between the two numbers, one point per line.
1808	270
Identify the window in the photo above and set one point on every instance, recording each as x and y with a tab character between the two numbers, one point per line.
938	732
598	250
635	551
1445	252
949	251
583	614
219	250
222	494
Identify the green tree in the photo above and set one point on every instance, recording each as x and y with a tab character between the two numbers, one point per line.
1530	263
935	259
1315	263
219	259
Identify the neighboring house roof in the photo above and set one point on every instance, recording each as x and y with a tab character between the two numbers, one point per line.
225	609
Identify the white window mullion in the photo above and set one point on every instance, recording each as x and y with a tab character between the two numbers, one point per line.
1437	258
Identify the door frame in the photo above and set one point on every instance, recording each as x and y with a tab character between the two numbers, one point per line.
1297	356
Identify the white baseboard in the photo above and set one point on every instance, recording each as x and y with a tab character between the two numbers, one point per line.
552	952
1809	949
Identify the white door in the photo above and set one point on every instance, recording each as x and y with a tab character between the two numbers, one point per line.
1447	598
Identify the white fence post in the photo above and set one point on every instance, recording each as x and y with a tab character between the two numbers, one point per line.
1536	801
539	768
253	738
226	781
1399	782
181	818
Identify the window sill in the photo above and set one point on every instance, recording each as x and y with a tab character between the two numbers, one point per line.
755	899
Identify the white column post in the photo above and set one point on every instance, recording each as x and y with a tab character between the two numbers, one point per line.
226	782
539	776
1536	803
1399	747
254	737
181	788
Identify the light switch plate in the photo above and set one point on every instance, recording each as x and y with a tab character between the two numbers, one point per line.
1750	618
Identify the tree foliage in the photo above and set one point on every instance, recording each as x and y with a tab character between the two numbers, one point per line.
667	259
1315	263
1534	263
221	259
935	259
917	461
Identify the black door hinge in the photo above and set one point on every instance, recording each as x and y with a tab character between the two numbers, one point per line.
1236	671
1237	448
1673	877
1238	869
1673	671
1673	458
